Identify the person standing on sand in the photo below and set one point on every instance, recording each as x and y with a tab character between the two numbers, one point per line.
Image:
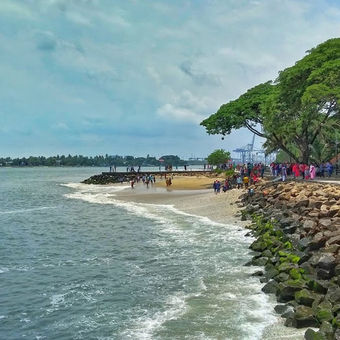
329	168
262	169
132	183
246	181
239	182
218	187
306	172
312	171
214	186
283	172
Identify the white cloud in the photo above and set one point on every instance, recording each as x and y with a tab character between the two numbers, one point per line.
13	8
170	112
142	62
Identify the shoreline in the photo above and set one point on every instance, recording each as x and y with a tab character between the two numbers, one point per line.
224	208
220	208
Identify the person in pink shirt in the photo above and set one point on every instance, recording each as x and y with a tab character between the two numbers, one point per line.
312	171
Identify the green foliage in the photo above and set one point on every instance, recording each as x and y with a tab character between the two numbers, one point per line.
79	160
218	171
288	245
218	157
294	111
229	172
295	274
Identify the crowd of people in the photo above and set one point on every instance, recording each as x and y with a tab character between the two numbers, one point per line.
300	170
146	179
243	176
249	174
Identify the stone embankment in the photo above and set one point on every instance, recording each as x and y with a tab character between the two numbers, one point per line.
297	231
110	178
119	177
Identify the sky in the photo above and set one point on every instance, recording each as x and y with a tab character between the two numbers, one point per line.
134	77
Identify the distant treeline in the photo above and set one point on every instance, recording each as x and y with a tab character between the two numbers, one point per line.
79	160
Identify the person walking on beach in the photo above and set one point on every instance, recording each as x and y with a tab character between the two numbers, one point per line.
132	183
239	182
246	181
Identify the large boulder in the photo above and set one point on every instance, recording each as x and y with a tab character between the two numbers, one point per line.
333	295
303	202
286	290
311	334
324	312
305	297
271	287
304	317
309	225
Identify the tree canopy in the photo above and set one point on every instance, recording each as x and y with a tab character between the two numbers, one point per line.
79	160
218	157
295	113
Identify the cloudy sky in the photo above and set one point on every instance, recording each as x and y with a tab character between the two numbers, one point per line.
135	76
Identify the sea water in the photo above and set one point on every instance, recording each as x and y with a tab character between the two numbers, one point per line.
76	263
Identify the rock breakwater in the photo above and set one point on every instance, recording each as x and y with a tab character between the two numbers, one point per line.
297	231
110	178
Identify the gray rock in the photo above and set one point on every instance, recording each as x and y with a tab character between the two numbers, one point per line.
304	317
324	274
304	243
305	297
281	309
326	328
261	261
271	287
333	295
286	290
302	203
282	277
310	334
309	225
271	273
326	261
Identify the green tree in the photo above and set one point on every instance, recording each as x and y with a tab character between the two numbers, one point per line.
292	112
218	157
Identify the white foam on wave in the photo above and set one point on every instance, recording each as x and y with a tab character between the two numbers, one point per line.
145	327
95	188
20	211
57	300
256	317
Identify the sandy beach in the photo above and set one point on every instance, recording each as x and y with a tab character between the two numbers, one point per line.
191	194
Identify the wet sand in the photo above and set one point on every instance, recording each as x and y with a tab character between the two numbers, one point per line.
189	194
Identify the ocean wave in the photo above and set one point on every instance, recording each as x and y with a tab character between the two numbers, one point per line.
145	327
94	187
20	211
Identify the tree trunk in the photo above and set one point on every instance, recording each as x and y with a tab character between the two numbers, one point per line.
305	153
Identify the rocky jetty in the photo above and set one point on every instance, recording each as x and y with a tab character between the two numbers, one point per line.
297	231
119	177
109	178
